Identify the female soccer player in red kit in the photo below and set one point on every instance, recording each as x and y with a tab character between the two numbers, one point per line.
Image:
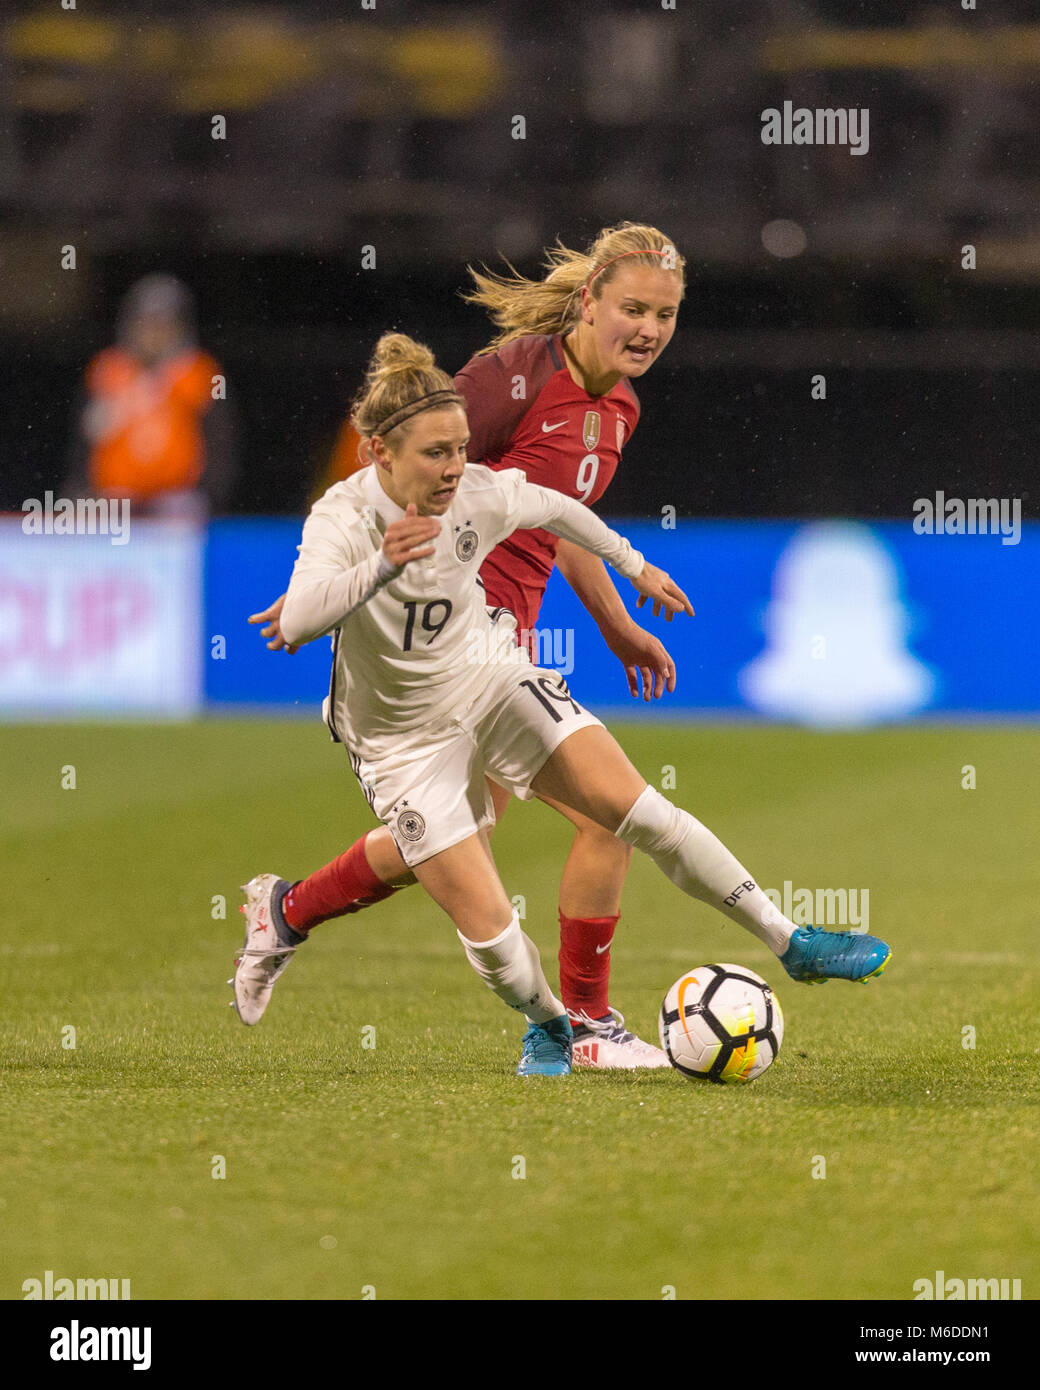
552	395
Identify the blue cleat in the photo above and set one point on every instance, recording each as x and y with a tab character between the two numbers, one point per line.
547	1048
815	956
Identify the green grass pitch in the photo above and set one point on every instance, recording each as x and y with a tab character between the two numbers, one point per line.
351	1169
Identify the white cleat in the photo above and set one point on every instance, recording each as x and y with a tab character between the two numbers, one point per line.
606	1043
263	957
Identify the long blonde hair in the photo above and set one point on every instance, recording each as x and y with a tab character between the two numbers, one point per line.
518	306
402	379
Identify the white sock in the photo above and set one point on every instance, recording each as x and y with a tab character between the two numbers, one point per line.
700	864
511	966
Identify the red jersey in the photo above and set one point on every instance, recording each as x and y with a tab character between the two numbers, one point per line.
526	411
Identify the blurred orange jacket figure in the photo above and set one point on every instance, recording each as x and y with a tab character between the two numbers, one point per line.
148	423
147	435
346	458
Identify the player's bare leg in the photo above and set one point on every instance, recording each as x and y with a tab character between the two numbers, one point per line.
384	859
590	773
590	896
596	867
589	908
464	882
365	874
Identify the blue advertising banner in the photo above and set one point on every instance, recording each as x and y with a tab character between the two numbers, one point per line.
830	624
248	564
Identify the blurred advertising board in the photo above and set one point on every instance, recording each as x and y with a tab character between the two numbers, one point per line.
101	624
827	624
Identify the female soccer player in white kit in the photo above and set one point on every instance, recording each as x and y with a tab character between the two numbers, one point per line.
432	697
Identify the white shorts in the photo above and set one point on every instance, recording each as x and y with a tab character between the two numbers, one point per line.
430	789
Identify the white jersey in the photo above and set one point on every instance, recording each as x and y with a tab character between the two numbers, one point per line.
411	643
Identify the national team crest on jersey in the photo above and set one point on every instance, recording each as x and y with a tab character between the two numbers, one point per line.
590	429
411	826
466	545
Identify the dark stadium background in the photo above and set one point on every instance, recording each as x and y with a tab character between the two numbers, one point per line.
392	128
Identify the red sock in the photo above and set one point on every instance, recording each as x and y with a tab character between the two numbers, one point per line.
585	963
346	885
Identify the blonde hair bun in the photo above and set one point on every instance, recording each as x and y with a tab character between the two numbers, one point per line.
400	372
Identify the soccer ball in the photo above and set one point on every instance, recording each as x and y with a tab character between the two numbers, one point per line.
721	1023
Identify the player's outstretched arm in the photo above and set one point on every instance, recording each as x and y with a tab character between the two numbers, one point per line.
587	575
642	655
541	506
